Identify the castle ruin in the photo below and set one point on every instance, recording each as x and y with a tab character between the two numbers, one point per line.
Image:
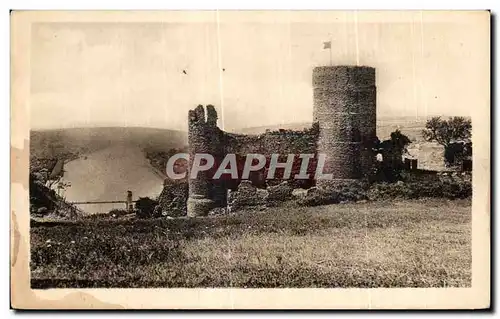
344	129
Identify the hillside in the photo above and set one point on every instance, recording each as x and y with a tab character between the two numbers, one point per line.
61	142
44	200
102	163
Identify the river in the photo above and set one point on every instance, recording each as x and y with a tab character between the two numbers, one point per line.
107	175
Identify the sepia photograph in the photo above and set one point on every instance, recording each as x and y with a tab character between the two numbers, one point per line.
220	157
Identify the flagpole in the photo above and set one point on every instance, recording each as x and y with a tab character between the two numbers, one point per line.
356	33
330	51
328	45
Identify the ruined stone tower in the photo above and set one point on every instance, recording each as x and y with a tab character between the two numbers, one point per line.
345	108
204	137
345	112
199	202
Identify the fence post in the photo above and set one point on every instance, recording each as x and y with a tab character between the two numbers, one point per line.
129	203
407	164
414	164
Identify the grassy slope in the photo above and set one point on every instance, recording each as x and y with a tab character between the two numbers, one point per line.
396	244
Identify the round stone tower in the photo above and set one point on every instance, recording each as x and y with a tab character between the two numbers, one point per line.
345	108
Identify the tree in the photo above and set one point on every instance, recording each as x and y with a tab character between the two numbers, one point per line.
400	141
445	132
456	153
453	134
392	151
394	147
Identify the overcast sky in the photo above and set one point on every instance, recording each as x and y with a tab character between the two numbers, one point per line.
131	74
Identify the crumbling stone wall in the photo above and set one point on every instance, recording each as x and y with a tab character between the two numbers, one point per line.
248	195
205	137
281	142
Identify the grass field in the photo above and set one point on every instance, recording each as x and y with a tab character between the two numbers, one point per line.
420	243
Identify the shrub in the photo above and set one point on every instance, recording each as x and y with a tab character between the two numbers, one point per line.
317	196
145	207
381	191
117	212
455	153
456	188
354	193
347	193
114	213
451	189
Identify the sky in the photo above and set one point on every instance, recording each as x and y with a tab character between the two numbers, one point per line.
254	68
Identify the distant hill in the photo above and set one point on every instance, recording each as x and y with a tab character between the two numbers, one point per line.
68	143
409	125
262	129
429	155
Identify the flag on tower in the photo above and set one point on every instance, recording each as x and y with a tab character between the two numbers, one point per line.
327	45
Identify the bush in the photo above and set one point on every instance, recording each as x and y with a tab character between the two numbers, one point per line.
456	153
451	189
352	193
456	189
117	212
317	196
145	207
346	193
114	213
